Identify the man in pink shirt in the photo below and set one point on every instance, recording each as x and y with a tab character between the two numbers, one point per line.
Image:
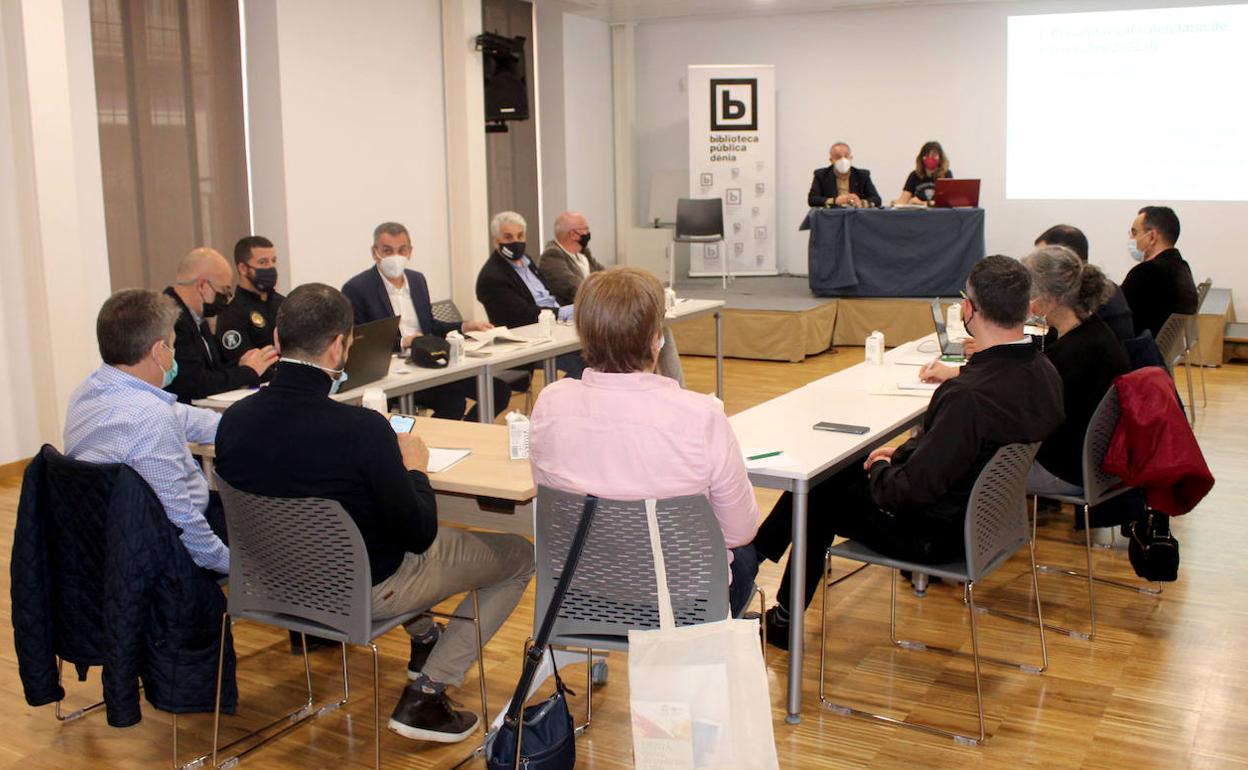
625	433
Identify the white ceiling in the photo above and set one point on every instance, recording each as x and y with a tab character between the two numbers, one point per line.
617	11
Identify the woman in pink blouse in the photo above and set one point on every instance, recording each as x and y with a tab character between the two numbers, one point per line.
625	433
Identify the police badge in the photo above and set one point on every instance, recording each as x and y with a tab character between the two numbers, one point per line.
257	320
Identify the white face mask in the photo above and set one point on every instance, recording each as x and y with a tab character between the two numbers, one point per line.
393	265
841	165
1134	251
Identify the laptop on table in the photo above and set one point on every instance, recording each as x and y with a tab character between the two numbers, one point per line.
948	348
371	348
956	193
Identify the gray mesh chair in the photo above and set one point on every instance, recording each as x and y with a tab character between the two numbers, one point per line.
1172	341
300	564
614	588
1193	338
447	311
1098	487
995	528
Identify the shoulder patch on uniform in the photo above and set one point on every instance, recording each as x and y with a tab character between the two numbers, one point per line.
231	340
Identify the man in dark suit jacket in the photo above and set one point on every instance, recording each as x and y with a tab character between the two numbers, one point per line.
388	289
292	440
1162	283
841	183
512	289
203	287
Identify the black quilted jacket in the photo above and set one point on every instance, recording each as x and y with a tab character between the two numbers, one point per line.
100	578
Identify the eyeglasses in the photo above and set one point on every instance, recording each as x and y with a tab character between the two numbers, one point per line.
227	292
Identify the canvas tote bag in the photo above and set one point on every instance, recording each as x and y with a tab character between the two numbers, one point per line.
698	694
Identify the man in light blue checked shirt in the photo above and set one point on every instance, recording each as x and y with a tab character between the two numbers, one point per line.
121	414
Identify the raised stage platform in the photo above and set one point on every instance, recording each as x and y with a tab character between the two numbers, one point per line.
776	318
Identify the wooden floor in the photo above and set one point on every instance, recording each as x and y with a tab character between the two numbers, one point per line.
1165	685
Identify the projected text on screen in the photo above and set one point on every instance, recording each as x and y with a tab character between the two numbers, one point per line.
1130	105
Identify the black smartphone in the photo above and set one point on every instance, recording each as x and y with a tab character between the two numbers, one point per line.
840	427
402	423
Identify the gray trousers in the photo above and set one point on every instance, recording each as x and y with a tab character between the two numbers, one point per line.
497	565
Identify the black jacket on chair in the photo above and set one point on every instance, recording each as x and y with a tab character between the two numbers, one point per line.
824	186
202	370
507	300
99	577
370	300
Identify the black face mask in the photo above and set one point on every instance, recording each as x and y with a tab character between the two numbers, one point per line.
512	251
219	302
264	278
583	240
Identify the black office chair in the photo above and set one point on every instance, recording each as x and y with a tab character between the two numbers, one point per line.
701	220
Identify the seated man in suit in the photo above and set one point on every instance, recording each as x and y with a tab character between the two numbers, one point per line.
513	290
247	322
841	183
203	288
909	502
292	440
1116	313
567	261
120	414
1162	283
390	288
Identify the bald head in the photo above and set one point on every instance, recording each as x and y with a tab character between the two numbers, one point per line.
204	262
203	274
570	226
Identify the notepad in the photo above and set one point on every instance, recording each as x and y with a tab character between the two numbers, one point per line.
917	385
443	459
498	336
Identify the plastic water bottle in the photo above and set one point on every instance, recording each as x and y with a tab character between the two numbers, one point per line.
546	322
455	341
517	436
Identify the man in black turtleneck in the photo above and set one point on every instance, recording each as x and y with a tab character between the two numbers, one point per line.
292	440
1162	283
909	502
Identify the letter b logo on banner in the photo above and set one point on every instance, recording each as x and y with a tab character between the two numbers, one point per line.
734	104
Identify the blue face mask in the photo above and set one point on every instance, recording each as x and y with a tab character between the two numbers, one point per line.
169	375
341	378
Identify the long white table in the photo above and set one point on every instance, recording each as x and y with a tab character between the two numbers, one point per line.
405	378
864	394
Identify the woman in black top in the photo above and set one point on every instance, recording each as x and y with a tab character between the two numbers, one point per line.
929	165
1087	355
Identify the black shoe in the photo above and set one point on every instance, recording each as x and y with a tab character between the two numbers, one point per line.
777	630
314	643
420	653
423	716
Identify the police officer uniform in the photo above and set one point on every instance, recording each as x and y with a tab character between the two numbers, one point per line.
247	323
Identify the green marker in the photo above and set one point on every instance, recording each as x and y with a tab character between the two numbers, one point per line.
764	455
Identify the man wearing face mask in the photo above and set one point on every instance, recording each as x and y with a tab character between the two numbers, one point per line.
567	261
1162	283
513	289
909	502
203	288
247	322
292	440
391	288
841	184
120	414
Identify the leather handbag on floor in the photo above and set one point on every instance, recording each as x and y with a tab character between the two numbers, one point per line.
1153	551
545	738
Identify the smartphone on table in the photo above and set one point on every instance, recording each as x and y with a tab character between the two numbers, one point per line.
402	423
840	427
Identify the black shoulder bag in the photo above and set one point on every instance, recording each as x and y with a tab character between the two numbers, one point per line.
545	738
1153	551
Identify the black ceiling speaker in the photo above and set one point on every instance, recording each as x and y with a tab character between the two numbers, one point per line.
506	88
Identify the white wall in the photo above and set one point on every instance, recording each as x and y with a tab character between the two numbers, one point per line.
53	252
886	80
588	129
348	131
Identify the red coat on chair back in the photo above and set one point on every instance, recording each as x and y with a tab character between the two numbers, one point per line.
1153	446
